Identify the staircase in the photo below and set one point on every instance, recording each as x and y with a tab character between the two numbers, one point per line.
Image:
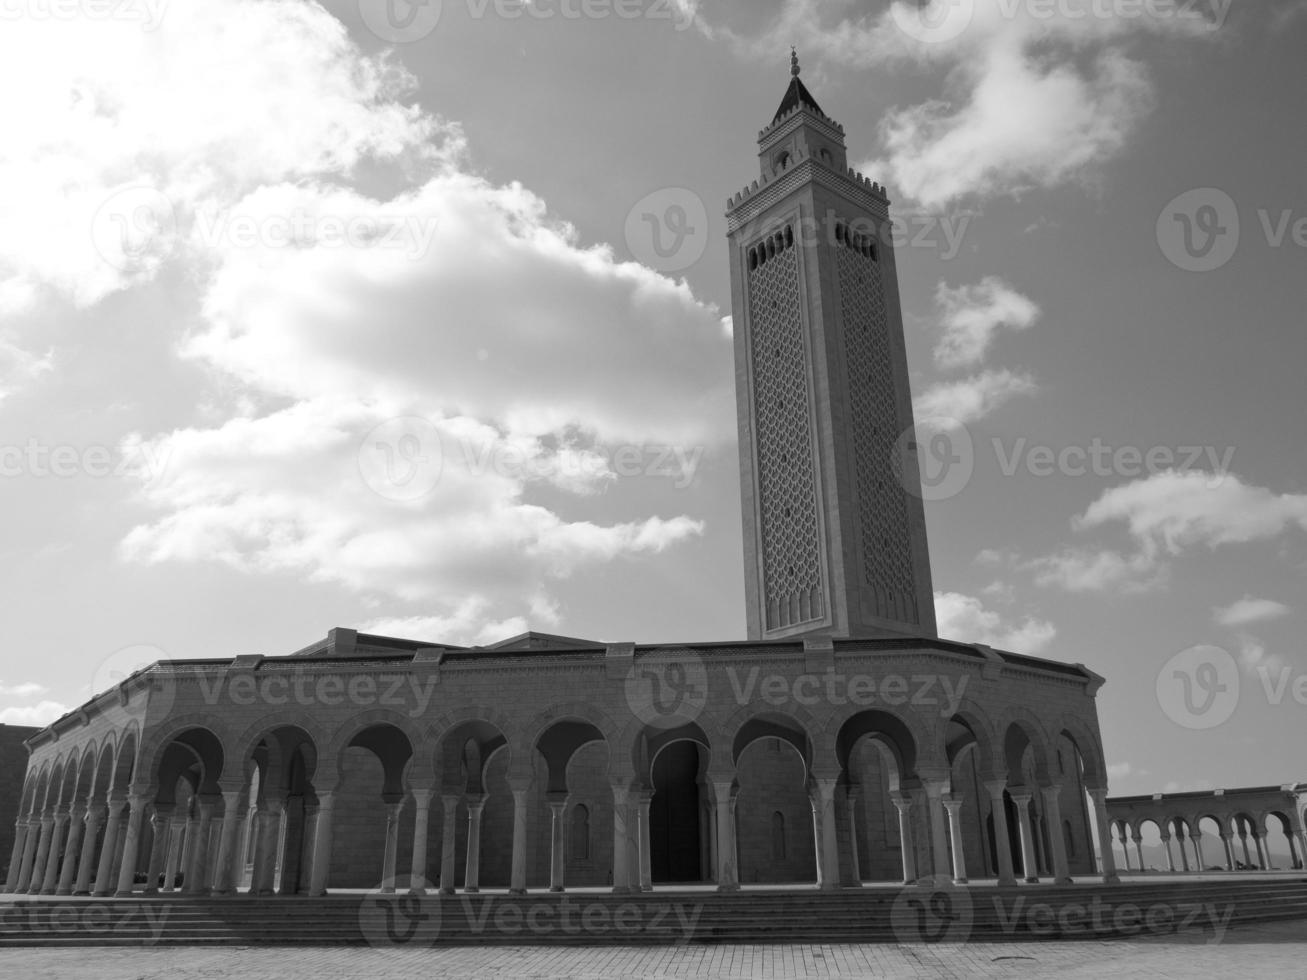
868	915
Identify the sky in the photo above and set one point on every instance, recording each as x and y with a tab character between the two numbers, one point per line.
415	319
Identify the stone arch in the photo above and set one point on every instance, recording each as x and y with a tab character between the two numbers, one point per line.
1090	747
976	721
903	740
793	726
42	789
464	743
54	787
243	745
156	742
85	773
1022	733
197	754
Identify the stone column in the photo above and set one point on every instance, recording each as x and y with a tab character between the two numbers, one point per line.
197	868
517	874
190	840
1179	841
1170	860
476	803
1002	846
827	846
322	837
173	863
16	855
1199	857
267	831
390	854
86	864
1229	850
557	838
622	871
1028	865
1243	839
50	881
934	788
646	858
42	855
448	829
113	819
1262	855
160	820
953	804
1139	850
224	872
1301	835
1053	816
421	827
1125	847
853	867
906	844
131	845
728	876
31	835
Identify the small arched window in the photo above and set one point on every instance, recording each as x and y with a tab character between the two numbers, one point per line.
782	161
580	836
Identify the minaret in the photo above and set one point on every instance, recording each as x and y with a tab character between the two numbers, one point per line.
833	542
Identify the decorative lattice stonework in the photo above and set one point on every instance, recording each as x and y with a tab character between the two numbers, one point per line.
787	492
882	507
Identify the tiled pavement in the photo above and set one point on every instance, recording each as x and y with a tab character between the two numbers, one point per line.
1261	951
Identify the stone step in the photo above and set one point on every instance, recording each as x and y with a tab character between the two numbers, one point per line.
873	915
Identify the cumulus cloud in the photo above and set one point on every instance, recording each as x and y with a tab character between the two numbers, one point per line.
1167	514
33	715
351	271
973	315
1249	610
1032	95
965	618
971	399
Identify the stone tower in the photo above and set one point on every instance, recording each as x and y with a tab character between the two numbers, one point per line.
834	529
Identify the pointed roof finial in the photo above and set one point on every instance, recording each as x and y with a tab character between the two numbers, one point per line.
794	61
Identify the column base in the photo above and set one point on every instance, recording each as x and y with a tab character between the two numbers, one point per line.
646	888
417	890
1031	881
517	891
470	890
444	891
124	893
555	888
1068	880
960	881
1007	882
1112	879
728	888
622	889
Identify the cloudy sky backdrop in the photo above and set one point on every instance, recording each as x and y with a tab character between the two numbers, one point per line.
312	317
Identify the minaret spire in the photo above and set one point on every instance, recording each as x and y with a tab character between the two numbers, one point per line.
794	61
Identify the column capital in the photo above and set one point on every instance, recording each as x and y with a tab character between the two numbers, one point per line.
995	787
422	794
1021	797
557	797
901	803
476	802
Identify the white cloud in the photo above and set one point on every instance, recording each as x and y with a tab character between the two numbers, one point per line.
1166	514
35	715
973	398
25	689
1249	610
1254	658
1173	510
1092	570
326	311
1032	95
965	618
1120	770
973	315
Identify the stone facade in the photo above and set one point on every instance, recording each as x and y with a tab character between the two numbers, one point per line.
13	769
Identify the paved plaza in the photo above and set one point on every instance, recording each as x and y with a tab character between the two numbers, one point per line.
1261	951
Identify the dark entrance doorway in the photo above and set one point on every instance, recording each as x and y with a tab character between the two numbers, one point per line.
674	814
